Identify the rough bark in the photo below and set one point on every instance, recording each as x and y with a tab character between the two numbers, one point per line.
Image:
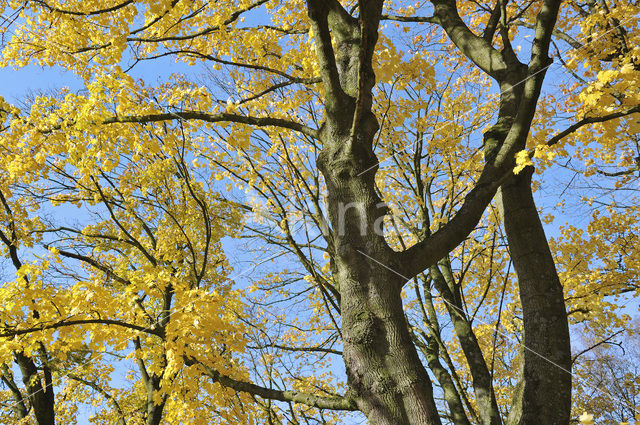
389	382
547	356
40	396
383	367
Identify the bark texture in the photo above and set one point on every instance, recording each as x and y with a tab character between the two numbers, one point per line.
39	393
546	397
387	380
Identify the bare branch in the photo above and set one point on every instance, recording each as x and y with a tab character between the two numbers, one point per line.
93	12
591	120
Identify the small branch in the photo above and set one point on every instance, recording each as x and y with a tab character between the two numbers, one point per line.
304	349
590	120
556	33
620	173
94	264
102	392
234	16
291	78
604	341
421	19
94	12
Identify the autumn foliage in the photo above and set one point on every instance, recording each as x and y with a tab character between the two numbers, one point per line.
320	212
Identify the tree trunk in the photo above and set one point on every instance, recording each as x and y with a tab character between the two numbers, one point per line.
383	367
387	378
41	396
482	382
546	398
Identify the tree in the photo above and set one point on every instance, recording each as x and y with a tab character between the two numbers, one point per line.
373	140
613	366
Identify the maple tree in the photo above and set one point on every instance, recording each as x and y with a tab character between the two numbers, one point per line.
370	139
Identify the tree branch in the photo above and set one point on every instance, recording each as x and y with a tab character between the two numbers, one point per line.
477	49
291	78
498	170
93	12
319	11
590	120
20	406
234	16
213	118
427	19
302	349
333	403
42	326
604	341
102	392
429	250
556	33
94	264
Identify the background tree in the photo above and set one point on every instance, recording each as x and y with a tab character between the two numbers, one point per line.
612	365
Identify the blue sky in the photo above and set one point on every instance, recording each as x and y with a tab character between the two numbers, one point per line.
16	84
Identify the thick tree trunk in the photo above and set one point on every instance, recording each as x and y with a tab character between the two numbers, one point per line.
383	367
387	378
546	398
40	396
